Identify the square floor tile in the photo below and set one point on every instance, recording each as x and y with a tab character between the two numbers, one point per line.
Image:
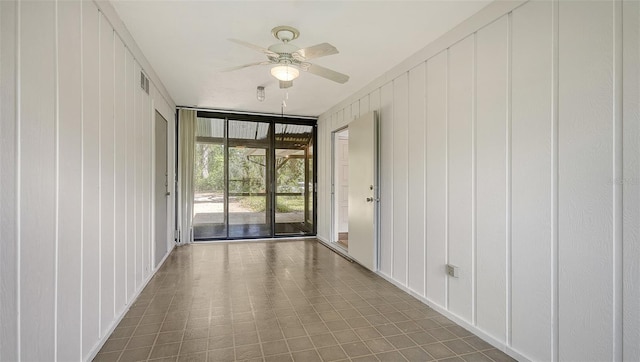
274	347
299	343
194	346
416	354
165	350
306	356
323	340
137	354
459	346
332	353
379	345
393	356
346	336
272	303
355	349
248	352
438	350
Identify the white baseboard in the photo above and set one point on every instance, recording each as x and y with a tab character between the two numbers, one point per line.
471	328
461	322
114	324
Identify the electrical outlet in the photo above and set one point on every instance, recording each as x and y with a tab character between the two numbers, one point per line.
452	270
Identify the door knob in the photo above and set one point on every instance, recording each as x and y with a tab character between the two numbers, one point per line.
369	199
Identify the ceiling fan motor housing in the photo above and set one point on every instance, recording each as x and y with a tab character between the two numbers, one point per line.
283	48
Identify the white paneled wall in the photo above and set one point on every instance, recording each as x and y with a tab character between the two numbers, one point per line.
532	181
75	178
630	179
510	148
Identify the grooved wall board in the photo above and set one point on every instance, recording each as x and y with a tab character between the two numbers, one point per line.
531	166
399	174
531	182
67	178
69	295
460	186
416	179
436	189
491	140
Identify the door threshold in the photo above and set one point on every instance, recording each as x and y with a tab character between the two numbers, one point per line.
337	249
251	240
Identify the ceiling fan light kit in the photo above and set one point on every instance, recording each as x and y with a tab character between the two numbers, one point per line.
285	73
290	59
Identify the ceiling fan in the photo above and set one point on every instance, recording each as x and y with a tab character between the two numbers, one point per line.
288	59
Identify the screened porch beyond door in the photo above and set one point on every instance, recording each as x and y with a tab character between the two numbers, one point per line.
237	164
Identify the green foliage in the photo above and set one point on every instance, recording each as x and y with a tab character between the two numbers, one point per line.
209	168
283	204
247	175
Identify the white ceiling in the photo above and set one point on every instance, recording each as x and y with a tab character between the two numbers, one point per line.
186	43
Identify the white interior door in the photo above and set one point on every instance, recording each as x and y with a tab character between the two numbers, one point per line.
162	188
363	190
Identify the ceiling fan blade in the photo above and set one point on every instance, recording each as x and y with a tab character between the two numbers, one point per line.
327	73
255	47
244	66
286	84
316	51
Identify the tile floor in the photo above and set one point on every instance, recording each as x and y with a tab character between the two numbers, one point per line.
282	301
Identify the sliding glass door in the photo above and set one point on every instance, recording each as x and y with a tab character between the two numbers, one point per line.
293	175
209	206
254	177
249	162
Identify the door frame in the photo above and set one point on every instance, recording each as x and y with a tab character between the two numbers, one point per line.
167	191
333	239
272	120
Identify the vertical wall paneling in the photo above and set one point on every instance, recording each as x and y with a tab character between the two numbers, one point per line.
436	179
69	330
137	120
491	177
364	105
346	116
146	175
631	180
617	188
531	186
374	100
107	262
355	110
460	159
9	333
341	121
90	179
531	180
400	173
387	127
120	176
68	189
585	187
132	225
37	181
416	179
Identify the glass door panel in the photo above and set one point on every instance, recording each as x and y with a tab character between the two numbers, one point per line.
209	211
249	201
293	190
309	191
